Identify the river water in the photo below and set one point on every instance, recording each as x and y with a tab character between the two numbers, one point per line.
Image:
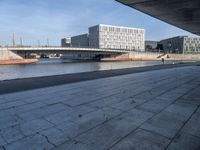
48	67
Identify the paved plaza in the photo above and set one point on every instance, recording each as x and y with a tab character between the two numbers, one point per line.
152	110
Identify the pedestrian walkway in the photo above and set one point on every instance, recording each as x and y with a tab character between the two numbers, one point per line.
151	110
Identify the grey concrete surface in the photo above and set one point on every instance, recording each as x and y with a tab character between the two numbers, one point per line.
183	14
153	110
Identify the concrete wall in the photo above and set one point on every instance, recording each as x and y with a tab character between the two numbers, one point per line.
191	57
136	56
144	56
158	56
8	55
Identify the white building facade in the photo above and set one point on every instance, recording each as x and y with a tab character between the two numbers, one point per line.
117	37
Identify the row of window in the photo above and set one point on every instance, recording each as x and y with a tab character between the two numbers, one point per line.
122	47
121	34
118	29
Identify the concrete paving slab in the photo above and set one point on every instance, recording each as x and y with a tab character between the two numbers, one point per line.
74	145
108	101
34	126
31	143
12	134
127	104
2	141
192	126
198	110
154	106
28	107
71	129
33	114
136	116
185	141
165	124
189	101
55	136
43	111
108	133
73	113
142	140
2	100
97	117
8	121
11	104
183	111
59	117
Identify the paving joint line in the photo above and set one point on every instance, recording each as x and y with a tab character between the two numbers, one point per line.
139	127
185	122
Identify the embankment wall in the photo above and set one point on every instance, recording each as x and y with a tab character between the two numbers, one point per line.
8	55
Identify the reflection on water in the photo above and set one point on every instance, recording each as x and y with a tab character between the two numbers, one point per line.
47	67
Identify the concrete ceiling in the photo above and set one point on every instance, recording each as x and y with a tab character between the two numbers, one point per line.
184	14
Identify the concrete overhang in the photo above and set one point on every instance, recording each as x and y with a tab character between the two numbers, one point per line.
184	14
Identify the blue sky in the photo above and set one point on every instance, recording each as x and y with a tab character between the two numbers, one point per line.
35	20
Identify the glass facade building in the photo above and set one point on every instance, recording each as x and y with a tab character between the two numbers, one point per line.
181	44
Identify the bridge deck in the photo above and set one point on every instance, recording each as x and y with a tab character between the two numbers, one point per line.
64	49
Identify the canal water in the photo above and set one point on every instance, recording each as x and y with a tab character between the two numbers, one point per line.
48	67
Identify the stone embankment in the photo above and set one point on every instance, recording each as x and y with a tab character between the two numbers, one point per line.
9	58
145	56
9	55
17	61
184	57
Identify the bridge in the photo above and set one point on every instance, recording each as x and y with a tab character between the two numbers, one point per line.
184	14
65	50
11	53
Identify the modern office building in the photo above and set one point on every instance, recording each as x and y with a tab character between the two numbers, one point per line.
110	37
181	44
66	42
80	41
116	37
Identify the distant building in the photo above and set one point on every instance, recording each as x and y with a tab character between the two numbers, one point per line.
151	45
116	37
181	44
80	41
66	42
110	37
